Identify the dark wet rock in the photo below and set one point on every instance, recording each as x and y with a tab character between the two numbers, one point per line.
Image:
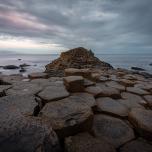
150	64
86	143
52	93
79	58
68	116
19	133
148	98
137	68
113	130
142	121
137	90
3	89
24	88
38	75
10	67
138	145
24	65
111	106
85	98
25	104
22	70
74	83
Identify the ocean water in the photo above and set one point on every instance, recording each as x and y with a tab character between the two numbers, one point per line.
38	62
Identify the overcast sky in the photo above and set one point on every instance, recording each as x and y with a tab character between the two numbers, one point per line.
51	26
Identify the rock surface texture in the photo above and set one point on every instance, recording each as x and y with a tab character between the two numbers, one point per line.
92	108
79	58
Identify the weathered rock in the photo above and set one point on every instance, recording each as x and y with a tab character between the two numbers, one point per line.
108	91
116	85
144	85
68	116
136	90
85	98
24	88
38	75
148	98
137	68
86	143
52	93
79	58
112	107
10	67
136	146
3	88
18	133
24	65
103	91
112	130
142	121
77	72
26	104
133	98
74	83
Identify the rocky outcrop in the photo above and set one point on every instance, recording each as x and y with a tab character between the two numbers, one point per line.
79	58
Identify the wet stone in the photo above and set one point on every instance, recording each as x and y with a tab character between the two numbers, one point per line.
25	104
86	143
127	83
111	106
136	90
113	130
51	93
19	133
68	116
88	83
142	121
74	83
136	146
24	88
85	98
133	98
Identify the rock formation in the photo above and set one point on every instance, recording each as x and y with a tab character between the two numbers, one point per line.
79	58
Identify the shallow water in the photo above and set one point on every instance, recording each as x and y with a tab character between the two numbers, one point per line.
38	62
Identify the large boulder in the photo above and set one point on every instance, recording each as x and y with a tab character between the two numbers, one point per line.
142	121
79	58
68	116
26	134
113	130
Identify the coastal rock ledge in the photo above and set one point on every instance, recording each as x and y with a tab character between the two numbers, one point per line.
79	58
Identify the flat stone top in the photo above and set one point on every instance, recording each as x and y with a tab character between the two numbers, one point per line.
111	129
66	112
141	118
24	103
38	75
73	78
53	93
112	106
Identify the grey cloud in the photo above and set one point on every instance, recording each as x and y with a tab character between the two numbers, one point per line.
101	25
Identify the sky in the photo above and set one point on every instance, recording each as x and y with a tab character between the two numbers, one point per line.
52	26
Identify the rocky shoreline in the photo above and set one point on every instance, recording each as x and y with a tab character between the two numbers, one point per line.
88	109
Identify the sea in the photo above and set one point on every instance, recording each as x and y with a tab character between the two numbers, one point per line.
37	62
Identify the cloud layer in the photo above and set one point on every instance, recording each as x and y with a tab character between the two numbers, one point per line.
115	26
